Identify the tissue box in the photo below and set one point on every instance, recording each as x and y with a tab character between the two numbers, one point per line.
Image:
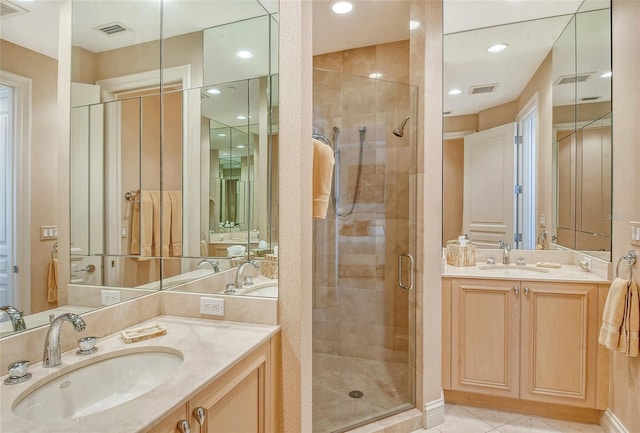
269	266
458	255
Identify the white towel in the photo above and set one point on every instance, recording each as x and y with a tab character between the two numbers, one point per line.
323	161
621	318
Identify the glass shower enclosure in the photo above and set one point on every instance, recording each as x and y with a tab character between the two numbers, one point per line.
363	300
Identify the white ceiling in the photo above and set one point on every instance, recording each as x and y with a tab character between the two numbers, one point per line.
371	22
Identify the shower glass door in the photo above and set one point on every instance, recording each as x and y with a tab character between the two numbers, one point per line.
363	320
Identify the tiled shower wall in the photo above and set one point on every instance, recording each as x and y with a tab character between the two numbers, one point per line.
359	309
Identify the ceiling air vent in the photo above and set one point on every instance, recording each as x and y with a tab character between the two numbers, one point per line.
572	79
113	28
8	9
485	88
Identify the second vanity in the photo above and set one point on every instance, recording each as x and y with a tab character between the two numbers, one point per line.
224	378
524	338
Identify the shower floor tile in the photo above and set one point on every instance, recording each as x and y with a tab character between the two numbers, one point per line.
384	387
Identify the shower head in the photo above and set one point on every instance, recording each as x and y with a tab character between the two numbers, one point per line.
399	131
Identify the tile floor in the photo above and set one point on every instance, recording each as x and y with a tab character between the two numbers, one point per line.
464	419
385	388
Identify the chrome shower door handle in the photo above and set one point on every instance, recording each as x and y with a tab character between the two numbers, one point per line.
411	268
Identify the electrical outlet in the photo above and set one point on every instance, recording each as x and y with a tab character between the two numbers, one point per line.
214	307
110	297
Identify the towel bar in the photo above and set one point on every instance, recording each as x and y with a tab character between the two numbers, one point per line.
631	257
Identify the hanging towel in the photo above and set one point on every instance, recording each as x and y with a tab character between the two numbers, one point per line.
323	161
621	318
134	233
145	223
161	223
52	281
176	223
203	248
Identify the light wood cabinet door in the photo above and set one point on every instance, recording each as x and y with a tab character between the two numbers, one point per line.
559	343
237	402
170	423
485	337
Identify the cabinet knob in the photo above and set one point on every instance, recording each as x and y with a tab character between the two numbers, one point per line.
516	290
184	427
199	413
526	291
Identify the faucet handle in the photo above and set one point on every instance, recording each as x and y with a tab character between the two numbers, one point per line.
87	346
18	372
229	288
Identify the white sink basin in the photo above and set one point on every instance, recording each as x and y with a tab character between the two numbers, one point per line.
512	268
98	384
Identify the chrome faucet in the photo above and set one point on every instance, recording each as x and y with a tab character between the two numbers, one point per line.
212	263
238	283
506	248
51	356
15	316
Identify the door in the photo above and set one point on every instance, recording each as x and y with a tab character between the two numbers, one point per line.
559	343
484	333
87	183
488	208
8	283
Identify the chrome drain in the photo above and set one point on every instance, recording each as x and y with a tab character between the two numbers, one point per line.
356	394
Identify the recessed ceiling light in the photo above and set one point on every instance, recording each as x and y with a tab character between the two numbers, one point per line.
240	146
342	7
241	117
213	91
606	74
455	92
496	48
413	25
244	54
221	134
375	75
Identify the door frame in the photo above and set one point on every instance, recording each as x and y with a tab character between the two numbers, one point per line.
527	163
190	154
21	245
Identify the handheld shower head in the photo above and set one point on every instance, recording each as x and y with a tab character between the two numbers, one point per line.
399	131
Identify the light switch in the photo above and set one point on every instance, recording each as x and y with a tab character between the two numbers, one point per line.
635	232
48	233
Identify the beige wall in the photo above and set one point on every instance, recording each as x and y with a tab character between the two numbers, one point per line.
452	188
498	115
88	67
625	381
45	203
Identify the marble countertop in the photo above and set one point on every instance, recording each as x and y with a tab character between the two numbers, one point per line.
566	273
209	348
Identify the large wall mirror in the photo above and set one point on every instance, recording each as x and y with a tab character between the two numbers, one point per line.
157	193
527	124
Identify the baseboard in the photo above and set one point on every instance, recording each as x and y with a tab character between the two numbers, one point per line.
611	424
434	413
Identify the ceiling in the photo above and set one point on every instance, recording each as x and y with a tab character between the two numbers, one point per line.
470	26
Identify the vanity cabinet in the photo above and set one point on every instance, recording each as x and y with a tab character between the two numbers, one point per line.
238	401
526	340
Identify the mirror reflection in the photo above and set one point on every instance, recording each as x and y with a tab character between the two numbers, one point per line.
140	146
507	105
